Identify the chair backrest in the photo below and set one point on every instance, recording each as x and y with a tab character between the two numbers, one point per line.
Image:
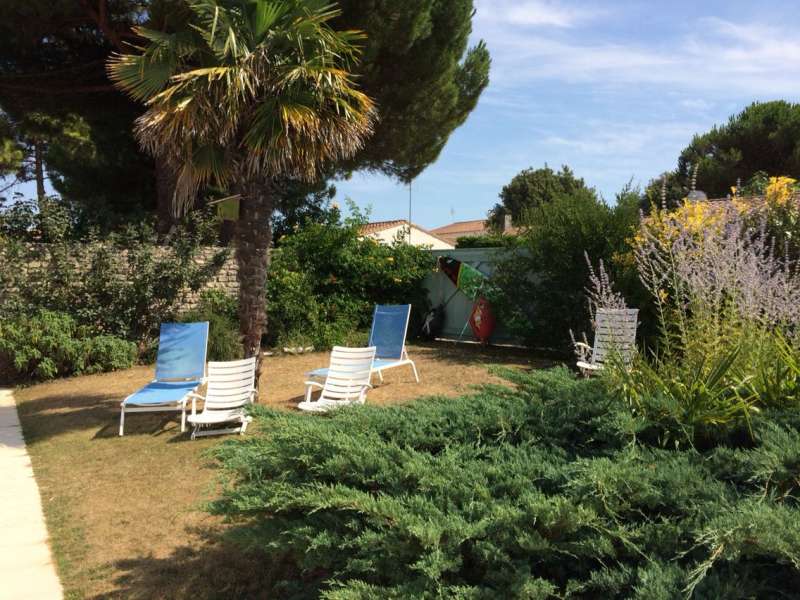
615	332
182	351
348	373
230	384
389	327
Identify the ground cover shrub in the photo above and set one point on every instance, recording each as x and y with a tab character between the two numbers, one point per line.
552	488
47	344
325	280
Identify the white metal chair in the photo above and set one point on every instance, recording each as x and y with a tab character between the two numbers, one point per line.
615	332
231	387
346	380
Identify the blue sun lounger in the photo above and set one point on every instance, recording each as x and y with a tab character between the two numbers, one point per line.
180	370
388	335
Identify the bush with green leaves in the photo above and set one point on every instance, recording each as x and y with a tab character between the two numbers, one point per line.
325	279
726	306
538	287
552	488
123	284
221	312
47	344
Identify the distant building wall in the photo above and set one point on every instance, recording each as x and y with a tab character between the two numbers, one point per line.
418	237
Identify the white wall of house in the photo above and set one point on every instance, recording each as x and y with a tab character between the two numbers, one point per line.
418	237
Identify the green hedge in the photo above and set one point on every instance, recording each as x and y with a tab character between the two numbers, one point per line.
45	344
325	280
552	489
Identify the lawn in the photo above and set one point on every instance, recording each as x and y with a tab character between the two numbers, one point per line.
126	515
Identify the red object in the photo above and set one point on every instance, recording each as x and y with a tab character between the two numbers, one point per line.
482	321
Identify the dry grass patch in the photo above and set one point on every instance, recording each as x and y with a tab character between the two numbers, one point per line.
126	515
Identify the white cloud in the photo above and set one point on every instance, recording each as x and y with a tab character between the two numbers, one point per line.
613	139
696	104
533	13
714	56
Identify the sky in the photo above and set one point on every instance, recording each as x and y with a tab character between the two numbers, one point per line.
615	90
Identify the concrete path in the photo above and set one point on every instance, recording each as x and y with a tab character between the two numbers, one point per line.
26	567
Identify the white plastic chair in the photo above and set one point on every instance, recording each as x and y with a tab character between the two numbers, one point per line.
388	335
615	332
231	387
346	380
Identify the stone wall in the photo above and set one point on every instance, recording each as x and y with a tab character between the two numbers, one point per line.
13	270
224	280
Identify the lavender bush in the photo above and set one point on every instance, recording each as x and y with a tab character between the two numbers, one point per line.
726	297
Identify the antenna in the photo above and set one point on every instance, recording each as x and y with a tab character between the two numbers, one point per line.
409	212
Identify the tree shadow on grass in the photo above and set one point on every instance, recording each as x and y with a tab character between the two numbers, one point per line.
55	414
215	568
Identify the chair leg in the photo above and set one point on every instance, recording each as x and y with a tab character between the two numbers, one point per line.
414	367
183	419
121	421
380	376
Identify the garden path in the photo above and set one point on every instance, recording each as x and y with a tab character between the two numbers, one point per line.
26	566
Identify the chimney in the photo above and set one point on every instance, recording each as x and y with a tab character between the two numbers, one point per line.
506	223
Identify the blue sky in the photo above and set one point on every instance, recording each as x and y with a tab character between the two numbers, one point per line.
615	90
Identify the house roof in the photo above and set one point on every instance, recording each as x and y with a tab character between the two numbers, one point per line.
476	227
378	226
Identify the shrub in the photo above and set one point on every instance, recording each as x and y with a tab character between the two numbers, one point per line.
47	344
220	310
727	313
124	284
550	489
325	280
538	292
485	241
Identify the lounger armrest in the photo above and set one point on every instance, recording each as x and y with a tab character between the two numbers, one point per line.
313	383
195	398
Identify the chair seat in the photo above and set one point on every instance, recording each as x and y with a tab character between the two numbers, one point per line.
321	406
161	393
208	417
377	365
589	366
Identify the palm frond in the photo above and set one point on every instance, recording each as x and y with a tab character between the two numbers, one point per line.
252	87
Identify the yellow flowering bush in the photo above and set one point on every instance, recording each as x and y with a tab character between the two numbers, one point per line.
781	191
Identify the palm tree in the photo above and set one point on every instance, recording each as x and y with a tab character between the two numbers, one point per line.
243	94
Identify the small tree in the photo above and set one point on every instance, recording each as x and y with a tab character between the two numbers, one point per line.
530	189
241	94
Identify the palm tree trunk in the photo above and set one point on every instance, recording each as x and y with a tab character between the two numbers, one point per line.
38	168
253	239
165	190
